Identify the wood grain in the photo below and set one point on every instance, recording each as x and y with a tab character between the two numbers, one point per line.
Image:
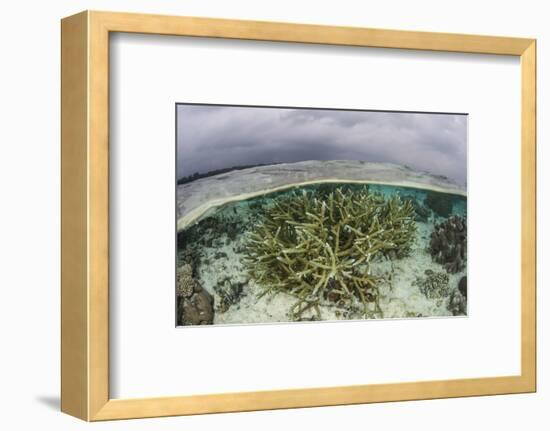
74	221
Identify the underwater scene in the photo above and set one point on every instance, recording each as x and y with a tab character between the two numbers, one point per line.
324	252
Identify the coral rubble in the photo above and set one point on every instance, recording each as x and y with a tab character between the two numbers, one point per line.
448	243
185	283
197	310
318	247
433	284
195	304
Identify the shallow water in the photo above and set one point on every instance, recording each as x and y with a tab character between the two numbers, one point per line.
215	248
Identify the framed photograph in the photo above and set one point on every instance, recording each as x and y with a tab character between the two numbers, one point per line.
263	215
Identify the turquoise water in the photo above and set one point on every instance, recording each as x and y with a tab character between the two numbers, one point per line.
215	245
248	209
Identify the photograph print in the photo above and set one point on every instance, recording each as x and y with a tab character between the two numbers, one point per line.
289	214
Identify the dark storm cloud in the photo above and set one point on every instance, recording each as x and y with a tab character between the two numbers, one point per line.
216	137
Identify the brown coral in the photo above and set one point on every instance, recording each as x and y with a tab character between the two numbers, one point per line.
195	304
463	286
457	303
448	243
197	310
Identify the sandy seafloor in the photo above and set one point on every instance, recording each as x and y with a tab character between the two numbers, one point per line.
218	266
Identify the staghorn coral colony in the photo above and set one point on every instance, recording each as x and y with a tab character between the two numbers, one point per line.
319	248
325	252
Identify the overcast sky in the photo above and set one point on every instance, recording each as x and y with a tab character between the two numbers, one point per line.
212	137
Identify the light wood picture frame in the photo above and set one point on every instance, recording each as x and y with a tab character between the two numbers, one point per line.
85	215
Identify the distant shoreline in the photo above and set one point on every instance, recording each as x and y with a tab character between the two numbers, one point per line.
196	176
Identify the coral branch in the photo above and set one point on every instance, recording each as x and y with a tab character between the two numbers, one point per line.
319	245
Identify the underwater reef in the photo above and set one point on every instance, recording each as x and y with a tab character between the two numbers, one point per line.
195	304
317	246
327	251
448	243
433	284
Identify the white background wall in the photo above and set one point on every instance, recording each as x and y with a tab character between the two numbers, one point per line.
29	212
